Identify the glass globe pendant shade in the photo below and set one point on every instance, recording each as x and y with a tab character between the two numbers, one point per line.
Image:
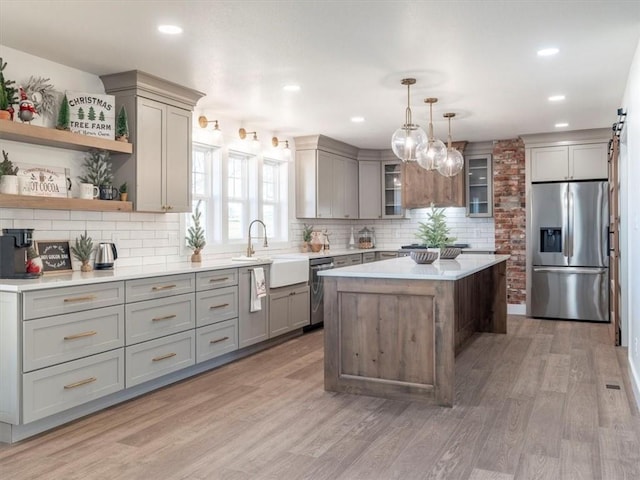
434	155
409	143
452	164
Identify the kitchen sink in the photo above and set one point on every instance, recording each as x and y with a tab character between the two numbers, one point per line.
288	270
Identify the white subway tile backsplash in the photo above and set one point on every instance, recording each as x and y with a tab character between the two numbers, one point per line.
16	213
51	214
116	216
85	216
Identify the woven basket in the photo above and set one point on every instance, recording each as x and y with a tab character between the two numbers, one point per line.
423	256
449	253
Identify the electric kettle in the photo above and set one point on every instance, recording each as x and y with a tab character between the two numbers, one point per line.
106	254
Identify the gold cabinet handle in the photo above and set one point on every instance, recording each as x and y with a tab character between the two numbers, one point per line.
213	307
218	340
80	335
163	287
80	299
164	357
166	317
211	280
169	207
80	383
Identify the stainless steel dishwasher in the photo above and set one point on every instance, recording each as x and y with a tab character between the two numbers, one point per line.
317	289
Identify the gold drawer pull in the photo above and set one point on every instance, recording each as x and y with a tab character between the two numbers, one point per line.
212	307
80	335
211	280
80	299
80	383
219	340
163	357
164	287
166	317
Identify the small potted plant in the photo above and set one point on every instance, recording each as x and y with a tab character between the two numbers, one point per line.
8	94
123	192
435	233
122	126
195	236
97	167
8	175
307	232
82	251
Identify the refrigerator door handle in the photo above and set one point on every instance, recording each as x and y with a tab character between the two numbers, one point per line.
563	234
579	270
570	214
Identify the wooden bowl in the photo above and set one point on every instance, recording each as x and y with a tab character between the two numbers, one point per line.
423	256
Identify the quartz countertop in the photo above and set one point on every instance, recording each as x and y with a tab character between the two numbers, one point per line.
404	268
55	280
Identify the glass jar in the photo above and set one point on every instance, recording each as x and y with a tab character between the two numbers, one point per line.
365	240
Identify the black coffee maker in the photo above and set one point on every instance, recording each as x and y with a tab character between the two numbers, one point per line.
14	244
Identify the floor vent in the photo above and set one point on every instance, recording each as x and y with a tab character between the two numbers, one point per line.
613	387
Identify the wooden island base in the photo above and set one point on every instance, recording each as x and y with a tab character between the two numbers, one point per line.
398	338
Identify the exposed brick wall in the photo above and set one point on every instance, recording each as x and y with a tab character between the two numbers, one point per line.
509	213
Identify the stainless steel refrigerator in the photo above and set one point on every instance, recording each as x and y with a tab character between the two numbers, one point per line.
570	274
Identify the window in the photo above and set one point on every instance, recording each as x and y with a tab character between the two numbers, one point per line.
234	188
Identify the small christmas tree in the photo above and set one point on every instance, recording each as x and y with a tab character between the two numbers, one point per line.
80	113
195	235
435	232
10	92
122	126
6	167
82	251
92	114
98	168
64	115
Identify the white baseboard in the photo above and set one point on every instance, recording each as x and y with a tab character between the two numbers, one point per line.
516	309
635	381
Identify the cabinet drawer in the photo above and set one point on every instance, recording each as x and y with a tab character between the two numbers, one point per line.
56	301
216	279
355	259
157	318
368	257
341	261
155	358
215	340
216	305
158	287
52	340
386	255
54	389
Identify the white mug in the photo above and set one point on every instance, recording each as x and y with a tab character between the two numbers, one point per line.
9	184
88	191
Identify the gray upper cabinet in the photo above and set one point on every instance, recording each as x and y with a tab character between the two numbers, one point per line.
479	183
573	162
326	178
370	189
158	172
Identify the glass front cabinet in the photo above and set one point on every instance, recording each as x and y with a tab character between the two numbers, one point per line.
392	190
479	194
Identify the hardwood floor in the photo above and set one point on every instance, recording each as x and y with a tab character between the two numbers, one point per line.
532	404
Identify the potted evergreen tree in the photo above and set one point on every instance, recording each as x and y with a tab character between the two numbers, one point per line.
8	175
97	166
123	192
307	233
64	116
122	126
195	235
82	251
435	233
8	94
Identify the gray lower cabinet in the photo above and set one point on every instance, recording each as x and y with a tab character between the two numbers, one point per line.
215	340
288	309
368	257
346	260
216	305
156	318
253	326
386	255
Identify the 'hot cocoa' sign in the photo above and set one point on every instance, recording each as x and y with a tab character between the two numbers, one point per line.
43	181
92	114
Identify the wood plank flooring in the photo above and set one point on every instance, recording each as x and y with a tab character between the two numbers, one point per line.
532	404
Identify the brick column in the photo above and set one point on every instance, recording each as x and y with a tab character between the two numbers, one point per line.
509	213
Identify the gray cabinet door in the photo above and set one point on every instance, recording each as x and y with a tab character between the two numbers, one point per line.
253	327
150	152
177	171
369	189
324	185
279	313
350	188
299	308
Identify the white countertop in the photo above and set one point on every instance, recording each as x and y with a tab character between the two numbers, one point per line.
404	268
55	280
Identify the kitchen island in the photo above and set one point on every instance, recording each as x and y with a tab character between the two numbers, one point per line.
393	328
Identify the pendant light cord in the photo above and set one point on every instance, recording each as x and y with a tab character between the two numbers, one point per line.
407	115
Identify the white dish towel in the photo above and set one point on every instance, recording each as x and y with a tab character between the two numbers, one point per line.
258	289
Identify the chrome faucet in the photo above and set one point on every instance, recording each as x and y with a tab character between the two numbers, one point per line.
250	250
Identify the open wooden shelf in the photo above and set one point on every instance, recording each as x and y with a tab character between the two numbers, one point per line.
55	203
50	137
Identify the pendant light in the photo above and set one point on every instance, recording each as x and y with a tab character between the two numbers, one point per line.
454	162
436	150
409	141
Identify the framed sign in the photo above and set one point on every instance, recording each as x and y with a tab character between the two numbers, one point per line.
43	181
92	114
55	255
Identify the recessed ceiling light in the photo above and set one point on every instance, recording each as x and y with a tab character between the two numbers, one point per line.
357	119
546	52
170	29
291	88
562	125
556	98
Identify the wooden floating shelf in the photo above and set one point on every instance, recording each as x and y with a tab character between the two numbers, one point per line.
50	137
56	203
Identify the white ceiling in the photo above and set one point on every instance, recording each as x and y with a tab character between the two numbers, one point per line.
478	57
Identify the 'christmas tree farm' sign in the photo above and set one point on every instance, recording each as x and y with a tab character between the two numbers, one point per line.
92	114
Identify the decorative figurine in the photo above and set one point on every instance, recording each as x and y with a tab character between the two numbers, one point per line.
26	110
